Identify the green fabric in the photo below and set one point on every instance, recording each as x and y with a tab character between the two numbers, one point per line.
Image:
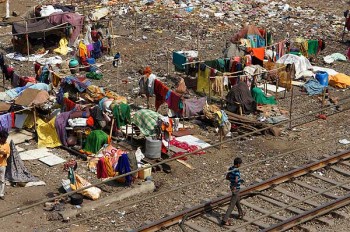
312	47
146	121
121	114
95	140
295	53
260	97
94	75
269	38
218	64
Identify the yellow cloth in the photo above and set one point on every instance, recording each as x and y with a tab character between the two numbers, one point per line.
47	135
3	157
83	52
63	48
339	80
303	45
109	168
203	81
29	122
56	79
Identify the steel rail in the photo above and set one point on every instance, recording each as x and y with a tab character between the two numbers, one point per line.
309	215
177	217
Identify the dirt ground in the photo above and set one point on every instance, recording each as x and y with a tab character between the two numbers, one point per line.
164	34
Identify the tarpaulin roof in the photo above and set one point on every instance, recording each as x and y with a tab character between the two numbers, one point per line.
247	30
35	30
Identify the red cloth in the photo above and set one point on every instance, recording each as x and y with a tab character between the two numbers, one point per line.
160	91
101	168
90	121
174	101
24	80
69	105
185	146
13	119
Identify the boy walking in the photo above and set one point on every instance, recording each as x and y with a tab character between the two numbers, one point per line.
234	176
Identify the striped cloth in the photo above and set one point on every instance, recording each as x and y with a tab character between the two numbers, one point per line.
146	121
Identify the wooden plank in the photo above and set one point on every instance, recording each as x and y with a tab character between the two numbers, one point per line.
331	181
186	164
280	204
295	196
318	190
261	210
195	227
341	171
347	163
256	223
323	220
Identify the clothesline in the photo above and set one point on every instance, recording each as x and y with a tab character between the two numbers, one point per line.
245	75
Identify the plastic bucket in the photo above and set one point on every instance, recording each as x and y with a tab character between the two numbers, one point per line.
322	77
153	148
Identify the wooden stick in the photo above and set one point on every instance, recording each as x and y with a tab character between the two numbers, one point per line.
221	132
113	40
276	94
290	108
168	63
27	37
34	113
135	29
111	131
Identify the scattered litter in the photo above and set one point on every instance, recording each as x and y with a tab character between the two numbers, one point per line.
344	141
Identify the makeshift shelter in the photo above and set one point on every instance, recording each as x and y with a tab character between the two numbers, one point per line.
301	63
40	32
253	36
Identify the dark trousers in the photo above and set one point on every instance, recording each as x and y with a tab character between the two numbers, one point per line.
235	201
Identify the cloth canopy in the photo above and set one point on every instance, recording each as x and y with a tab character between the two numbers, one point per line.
73	19
33	27
301	63
146	121
243	33
31	97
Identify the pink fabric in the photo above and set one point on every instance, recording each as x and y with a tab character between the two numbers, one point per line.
73	19
237	58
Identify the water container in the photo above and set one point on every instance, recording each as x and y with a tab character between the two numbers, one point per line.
73	66
322	77
153	148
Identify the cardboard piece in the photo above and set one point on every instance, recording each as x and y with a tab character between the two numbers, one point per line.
272	88
52	160
35	154
20	136
191	140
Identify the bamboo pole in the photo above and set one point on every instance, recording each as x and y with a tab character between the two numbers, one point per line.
113	39
135	28
290	108
168	63
27	38
111	131
276	94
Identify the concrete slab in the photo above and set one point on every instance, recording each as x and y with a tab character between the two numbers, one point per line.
20	136
52	160
35	154
103	203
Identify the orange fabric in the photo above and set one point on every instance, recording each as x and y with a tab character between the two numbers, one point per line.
3	157
259	53
147	70
90	121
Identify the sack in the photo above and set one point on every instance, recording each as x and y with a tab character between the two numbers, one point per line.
227	176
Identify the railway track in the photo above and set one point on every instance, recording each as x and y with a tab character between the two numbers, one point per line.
314	192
